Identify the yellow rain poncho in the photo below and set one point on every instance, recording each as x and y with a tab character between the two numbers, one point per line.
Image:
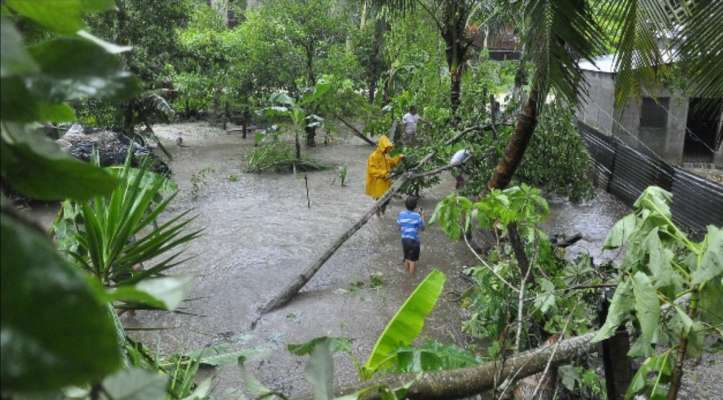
379	166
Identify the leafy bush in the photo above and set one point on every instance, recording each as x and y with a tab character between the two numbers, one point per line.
279	156
111	237
556	158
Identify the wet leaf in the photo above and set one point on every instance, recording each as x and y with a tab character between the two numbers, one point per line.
136	384
162	293
620	306
32	108
319	371
39	290
659	262
647	310
655	199
15	59
711	264
223	354
408	322
62	16
620	232
36	167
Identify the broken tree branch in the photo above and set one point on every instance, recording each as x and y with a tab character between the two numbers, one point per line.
463	382
293	288
356	131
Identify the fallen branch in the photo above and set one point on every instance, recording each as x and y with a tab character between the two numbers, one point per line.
463	382
293	288
356	131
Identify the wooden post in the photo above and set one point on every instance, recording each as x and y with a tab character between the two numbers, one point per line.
616	363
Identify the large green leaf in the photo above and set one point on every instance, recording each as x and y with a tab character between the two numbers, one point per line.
15	60
711	264
620	232
94	68
17	103
659	261
62	16
135	384
620	306
55	330
36	167
162	293
655	199
407	323
647	310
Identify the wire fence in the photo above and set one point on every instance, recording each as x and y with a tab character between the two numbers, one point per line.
626	172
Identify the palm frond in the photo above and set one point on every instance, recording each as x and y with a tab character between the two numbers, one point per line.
699	47
559	34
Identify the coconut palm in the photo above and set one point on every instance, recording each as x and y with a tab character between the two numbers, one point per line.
557	34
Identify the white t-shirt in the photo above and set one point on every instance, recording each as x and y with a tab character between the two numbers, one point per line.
459	157
410	123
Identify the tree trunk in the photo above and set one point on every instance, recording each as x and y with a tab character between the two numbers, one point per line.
515	150
678	369
310	136
456	88
464	382
297	145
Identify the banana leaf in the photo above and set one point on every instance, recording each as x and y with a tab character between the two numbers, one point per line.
406	324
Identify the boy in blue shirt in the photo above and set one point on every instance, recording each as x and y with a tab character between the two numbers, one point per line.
410	223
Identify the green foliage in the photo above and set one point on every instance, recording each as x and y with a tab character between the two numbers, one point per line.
433	356
556	158
45	301
56	330
117	233
662	267
406	324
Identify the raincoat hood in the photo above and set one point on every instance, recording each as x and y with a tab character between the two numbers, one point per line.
384	144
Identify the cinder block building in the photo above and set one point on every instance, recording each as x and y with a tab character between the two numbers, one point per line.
679	128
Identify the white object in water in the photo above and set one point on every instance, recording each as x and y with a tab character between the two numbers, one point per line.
459	157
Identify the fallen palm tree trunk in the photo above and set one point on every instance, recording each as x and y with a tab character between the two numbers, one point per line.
293	288
464	382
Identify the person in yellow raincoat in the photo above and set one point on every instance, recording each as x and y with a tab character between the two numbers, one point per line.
379	165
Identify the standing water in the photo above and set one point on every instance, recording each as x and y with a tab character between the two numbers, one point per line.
259	233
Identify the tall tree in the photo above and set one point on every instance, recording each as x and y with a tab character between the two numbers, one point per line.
451	17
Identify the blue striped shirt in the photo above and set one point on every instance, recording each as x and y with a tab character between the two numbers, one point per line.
410	223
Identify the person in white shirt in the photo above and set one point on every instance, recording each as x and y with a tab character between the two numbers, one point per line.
410	121
459	158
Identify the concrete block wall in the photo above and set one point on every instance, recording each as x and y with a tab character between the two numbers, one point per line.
597	108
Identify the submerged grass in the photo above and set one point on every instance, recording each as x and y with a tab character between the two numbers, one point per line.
279	157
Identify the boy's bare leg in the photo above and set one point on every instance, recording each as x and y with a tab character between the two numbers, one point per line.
412	266
406	265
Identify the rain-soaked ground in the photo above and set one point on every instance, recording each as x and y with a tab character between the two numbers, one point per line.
259	233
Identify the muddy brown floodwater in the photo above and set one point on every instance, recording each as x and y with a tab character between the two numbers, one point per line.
259	233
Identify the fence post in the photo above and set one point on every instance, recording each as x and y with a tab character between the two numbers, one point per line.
616	363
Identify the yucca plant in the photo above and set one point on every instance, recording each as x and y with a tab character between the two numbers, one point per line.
111	237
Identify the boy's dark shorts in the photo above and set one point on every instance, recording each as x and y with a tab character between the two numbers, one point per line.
411	249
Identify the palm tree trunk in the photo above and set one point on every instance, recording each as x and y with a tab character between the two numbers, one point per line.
515	150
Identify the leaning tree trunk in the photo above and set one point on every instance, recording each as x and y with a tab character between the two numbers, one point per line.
303	278
515	150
